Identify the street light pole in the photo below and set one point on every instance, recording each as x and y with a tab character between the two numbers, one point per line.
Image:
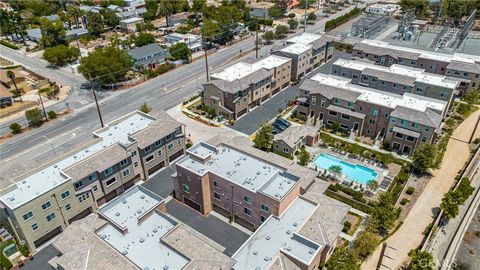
206	59
51	144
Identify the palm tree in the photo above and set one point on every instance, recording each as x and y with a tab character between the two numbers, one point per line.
11	75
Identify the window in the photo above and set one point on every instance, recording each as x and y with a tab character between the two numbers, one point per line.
262	219
34	226
247	199
68	207
46	205
286	150
332	113
148	159
123	162
95	188
374	112
186	188
355	76
350	105
371	121
394	120
314	100
65	194
387	115
414	125
443	95
399	135
264	208
158	143
337	101
322	102
419	90
247	211
28	215
216	184
110	182
92	177
134	153
126	172
78	184
170	146
135	164
216	196
51	217
345	116
410	138
179	141
83	197
148	149
395	86
403	122
108	171
424	139
427	129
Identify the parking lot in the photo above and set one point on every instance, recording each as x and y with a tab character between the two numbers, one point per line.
212	227
249	123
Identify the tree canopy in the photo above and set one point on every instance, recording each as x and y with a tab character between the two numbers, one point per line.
281	31
365	244
34	117
343	259
60	55
180	51
110	18
264	137
293	24
421	260
268	36
383	214
95	24
303	157
144	39
106	65
424	157
275	12
53	33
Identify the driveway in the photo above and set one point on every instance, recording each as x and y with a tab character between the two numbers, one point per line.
41	258
219	231
249	123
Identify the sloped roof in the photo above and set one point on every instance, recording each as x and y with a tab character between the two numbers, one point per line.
428	117
292	134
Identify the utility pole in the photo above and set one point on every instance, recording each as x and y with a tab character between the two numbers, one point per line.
256	41
206	60
43	107
305	17
96	101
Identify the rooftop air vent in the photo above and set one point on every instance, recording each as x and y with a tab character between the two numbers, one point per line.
255	252
124	252
142	240
117	214
166	267
311	251
295	224
139	211
124	201
289	248
289	232
268	237
155	230
142	197
103	236
23	181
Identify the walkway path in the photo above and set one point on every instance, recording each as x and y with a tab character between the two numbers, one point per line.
409	236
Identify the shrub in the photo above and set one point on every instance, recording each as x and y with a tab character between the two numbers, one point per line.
404	201
52	114
346	226
360	206
15	127
9	45
329	25
291	15
410	190
34	116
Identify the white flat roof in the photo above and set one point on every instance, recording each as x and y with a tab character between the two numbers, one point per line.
240	168
50	177
131	20
419	74
270	62
279	234
304	38
296	48
235	72
411	101
467	58
141	242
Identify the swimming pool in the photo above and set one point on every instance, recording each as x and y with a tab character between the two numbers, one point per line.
357	173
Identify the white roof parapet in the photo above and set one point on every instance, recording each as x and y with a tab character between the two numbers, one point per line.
38	182
417	73
304	38
370	95
240	168
297	48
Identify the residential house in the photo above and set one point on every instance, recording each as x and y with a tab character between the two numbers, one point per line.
148	56
130	24
405	121
177	19
194	42
382	9
135	3
294	138
43	202
35	34
462	67
397	79
239	88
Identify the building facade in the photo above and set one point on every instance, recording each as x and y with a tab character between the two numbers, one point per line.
404	121
43	202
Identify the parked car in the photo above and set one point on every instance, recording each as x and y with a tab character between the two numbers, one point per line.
276	131
279	126
283	121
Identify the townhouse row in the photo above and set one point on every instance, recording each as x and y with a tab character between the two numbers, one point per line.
464	68
237	89
404	121
43	202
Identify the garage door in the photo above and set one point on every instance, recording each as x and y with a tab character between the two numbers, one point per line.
156	167
192	204
176	155
80	215
42	240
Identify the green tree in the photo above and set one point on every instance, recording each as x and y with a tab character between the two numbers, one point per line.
308	2
15	128
291	15
144	39
52	114
34	117
145	108
74	13
275	12
335	169
365	244
311	16
106	65
95	24
450	202
180	51
372	184
383	214
281	31
60	55
465	189
197	7
264	137
422	7
459	265
11	76
343	259
303	157
472	97
110	18
421	260
53	33
424	157
268	36
293	24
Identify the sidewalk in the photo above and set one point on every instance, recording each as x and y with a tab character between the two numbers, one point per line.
409	236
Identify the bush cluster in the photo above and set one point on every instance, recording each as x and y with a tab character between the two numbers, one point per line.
329	25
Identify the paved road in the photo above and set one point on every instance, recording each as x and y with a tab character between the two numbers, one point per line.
41	258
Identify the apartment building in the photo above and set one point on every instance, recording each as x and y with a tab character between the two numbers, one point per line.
404	121
464	67
237	89
294	138
397	79
42	203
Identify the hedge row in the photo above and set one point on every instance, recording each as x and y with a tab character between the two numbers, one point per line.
9	45
360	206
356	195
329	25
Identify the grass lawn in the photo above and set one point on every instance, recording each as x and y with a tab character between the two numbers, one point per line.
16	107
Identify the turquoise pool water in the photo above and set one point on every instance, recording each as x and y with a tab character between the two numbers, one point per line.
357	173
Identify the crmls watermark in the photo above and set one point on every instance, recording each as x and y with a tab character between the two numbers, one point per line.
436	264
